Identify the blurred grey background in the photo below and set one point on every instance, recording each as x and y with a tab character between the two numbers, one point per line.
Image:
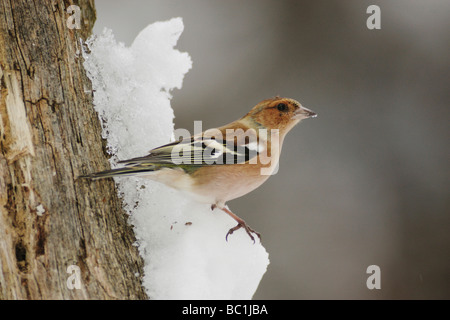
367	182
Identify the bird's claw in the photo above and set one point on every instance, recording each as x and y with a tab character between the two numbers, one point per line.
247	229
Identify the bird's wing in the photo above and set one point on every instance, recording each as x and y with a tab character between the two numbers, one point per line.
200	150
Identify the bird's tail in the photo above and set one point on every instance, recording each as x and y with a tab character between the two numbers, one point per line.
125	171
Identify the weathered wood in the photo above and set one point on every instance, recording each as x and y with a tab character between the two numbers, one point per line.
50	134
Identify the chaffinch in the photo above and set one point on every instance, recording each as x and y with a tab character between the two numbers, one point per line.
224	163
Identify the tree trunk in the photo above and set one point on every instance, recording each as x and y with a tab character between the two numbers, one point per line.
54	229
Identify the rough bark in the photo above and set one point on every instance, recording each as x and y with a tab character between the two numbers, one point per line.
50	134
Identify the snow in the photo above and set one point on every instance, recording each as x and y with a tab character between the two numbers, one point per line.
181	241
40	210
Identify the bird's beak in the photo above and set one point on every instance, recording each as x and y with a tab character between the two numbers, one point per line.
303	113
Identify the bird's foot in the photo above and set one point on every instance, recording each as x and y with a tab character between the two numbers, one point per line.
247	229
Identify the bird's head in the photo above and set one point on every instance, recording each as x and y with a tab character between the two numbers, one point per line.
279	113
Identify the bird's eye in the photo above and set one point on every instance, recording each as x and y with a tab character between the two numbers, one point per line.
282	107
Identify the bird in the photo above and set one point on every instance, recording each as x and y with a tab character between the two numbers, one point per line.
224	163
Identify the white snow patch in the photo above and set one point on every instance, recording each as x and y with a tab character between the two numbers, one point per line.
40	210
182	241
